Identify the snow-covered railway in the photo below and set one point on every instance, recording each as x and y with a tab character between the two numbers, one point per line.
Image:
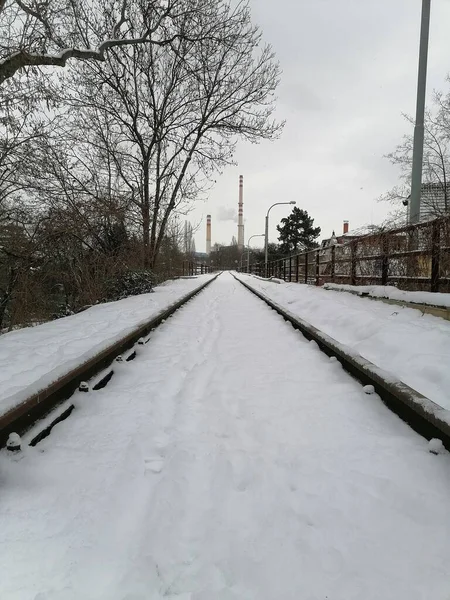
45	402
425	416
232	460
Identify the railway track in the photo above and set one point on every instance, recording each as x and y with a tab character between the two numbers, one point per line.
38	411
231	459
50	406
422	414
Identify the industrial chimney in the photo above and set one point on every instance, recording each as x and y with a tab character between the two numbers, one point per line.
345	230
241	215
208	234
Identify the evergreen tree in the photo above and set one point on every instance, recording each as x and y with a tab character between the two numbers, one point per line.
297	232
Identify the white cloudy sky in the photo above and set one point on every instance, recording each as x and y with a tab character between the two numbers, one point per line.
349	71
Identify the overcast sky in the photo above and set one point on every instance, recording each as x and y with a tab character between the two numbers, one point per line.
349	71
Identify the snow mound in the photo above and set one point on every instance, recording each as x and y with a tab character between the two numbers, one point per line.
436	446
369	389
14	442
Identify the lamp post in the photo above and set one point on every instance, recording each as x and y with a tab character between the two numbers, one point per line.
416	175
248	248
266	241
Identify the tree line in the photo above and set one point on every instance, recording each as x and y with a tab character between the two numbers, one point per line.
114	116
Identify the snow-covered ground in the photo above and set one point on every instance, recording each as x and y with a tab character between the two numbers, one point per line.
34	357
413	346
388	291
231	460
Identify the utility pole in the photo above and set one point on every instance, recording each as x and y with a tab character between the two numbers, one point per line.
416	176
248	248
266	241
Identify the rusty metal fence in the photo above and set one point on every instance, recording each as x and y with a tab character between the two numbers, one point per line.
415	257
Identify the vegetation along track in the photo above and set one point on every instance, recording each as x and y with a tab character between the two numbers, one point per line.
422	414
101	367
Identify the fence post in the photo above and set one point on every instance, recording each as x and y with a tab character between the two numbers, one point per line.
384	259
333	263
317	267
306	267
297	262
284	269
290	269
353	263
435	255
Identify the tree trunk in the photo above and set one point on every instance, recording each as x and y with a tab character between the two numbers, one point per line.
7	295
146	219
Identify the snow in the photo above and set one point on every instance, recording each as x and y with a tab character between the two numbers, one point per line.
412	346
392	293
230	460
34	357
436	446
14	442
368	389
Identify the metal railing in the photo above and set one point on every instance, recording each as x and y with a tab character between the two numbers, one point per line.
191	268
415	257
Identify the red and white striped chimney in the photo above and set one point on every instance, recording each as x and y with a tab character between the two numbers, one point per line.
345	230
240	239
208	234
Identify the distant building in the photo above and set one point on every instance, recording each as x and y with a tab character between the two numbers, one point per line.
346	236
434	201
369	244
201	256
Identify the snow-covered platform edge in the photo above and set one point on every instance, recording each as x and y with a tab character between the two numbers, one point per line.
424	415
39	403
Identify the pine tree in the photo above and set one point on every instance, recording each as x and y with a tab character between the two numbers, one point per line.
297	232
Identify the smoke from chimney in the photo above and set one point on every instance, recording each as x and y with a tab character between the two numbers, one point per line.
345	230
208	234
241	215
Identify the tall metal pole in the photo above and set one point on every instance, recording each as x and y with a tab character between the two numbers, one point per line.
266	241
240	239
266	244
416	176
248	248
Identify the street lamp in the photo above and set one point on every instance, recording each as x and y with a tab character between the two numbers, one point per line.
248	248
266	241
416	176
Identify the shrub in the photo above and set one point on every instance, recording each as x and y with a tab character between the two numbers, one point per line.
130	283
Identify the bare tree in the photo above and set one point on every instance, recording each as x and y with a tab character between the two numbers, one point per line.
37	33
436	162
170	116
20	129
95	170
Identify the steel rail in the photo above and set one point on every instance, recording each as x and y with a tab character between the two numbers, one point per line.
23	416
422	414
